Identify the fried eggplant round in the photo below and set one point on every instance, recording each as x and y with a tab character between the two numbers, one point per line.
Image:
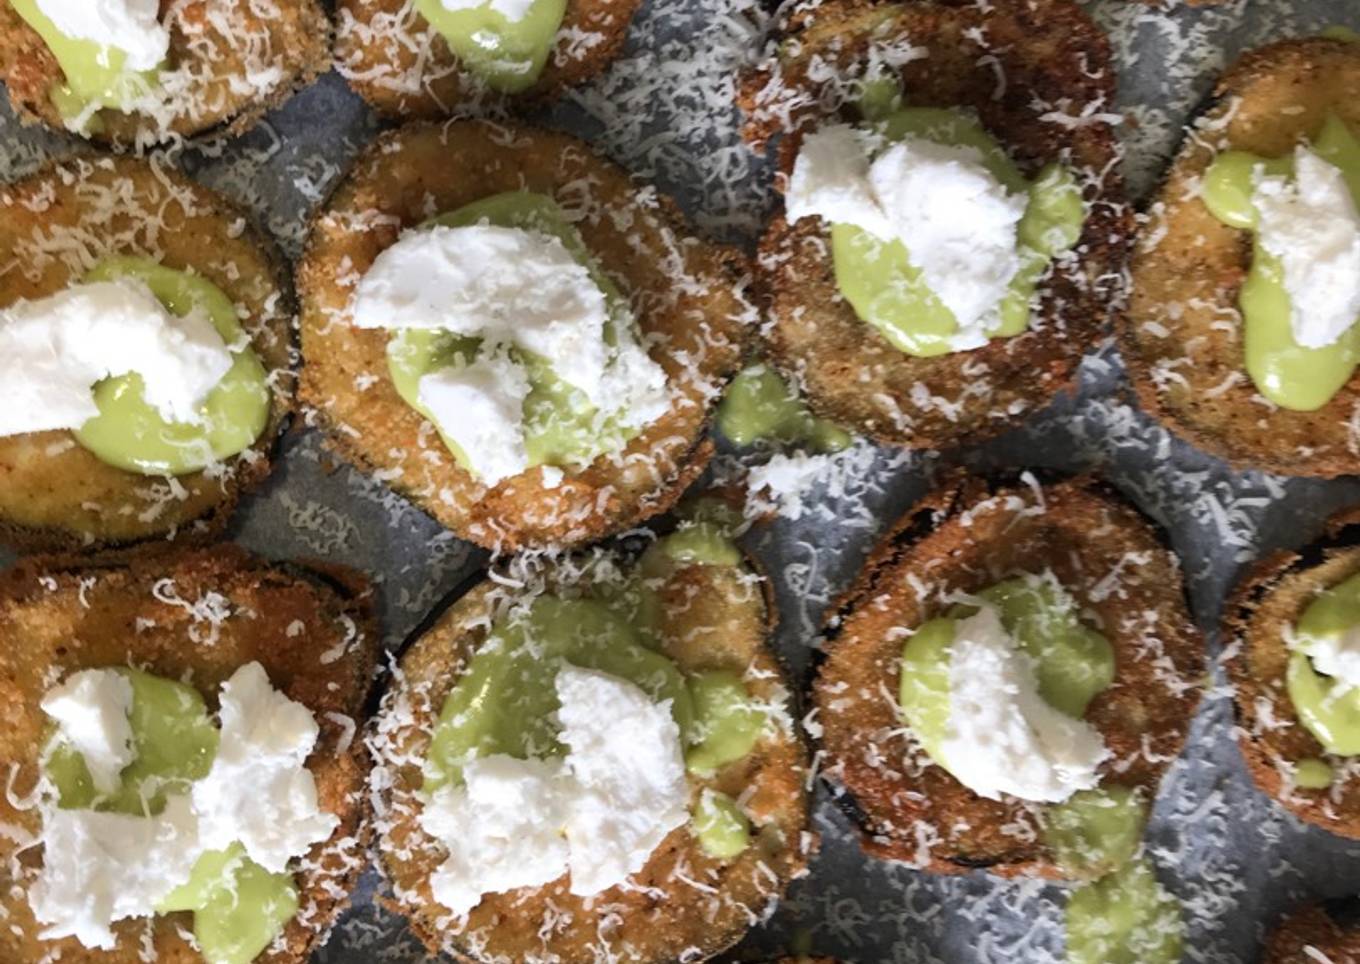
1039	78
965	537
683	904
1182	337
195	617
56	496
686	295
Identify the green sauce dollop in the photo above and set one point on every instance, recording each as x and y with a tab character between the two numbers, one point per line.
889	293
505	702
723	830
239	907
1326	707
508	55
131	435
1094	831
561	428
726	723
759	404
1290	375
1126	917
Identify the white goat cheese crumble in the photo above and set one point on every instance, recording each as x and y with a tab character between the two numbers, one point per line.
54	349
131	26
1310	223
598	813
512	10
958	223
91	711
511	288
1002	737
99	867
259	791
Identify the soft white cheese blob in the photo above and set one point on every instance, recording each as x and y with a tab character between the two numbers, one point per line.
259	791
958	223
131	26
512	10
99	867
54	349
509	287
628	771
91	711
598	813
480	407
503	829
1310	223
1003	738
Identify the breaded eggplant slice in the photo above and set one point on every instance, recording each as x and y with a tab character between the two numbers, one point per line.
195	617
1259	615
55	225
685	294
1029	71
683	905
404	68
1312	935
1182	335
229	62
965	537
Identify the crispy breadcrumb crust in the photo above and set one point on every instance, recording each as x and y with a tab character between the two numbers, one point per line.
715	617
1182	335
403	67
195	617
1309	932
1014	64
1266	603
685	293
56	496
217	50
966	536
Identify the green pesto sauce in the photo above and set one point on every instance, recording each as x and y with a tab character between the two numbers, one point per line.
506	55
1290	375
1126	917
505	701
173	739
132	435
878	278
1313	774
700	543
561	428
726	723
759	404
1094	831
238	906
723	831
1329	710
1073	663
93	75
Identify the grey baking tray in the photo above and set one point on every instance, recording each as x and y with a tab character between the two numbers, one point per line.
664	111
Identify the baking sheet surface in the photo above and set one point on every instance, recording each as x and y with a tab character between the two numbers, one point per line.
664	111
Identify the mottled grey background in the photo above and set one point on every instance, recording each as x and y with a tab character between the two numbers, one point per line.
664	111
